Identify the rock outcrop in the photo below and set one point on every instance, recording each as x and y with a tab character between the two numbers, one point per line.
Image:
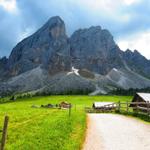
3	67
94	49
48	47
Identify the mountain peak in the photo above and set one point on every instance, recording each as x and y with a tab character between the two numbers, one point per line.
136	52
55	20
128	51
55	26
97	28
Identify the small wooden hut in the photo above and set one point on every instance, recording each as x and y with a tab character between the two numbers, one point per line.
65	105
104	105
144	98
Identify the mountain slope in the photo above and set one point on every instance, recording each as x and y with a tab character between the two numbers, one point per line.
25	82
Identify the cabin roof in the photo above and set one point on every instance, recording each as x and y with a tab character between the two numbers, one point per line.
64	102
145	96
102	104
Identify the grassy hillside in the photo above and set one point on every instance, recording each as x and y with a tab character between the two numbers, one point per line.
48	129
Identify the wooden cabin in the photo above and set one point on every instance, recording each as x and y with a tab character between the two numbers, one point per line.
65	105
104	105
144	98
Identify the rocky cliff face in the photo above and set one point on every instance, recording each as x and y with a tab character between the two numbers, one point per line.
48	47
98	62
3	67
95	50
3	63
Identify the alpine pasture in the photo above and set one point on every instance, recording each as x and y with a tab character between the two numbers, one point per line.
48	128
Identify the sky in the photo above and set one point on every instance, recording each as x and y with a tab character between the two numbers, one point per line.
127	20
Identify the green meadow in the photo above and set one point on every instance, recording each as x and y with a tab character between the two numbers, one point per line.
45	128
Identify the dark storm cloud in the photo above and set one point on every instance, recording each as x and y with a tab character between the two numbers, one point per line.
32	14
139	19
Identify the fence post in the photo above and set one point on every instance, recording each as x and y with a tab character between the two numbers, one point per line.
4	134
119	104
148	108
137	109
127	107
69	111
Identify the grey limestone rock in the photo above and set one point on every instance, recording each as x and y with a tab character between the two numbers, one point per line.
47	47
94	49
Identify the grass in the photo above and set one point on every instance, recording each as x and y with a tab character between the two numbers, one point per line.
48	129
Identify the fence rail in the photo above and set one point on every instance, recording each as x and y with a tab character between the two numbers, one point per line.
127	107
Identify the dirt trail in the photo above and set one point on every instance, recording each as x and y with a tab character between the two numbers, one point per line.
116	132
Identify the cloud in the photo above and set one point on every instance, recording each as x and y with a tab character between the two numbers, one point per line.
130	2
9	5
139	41
20	18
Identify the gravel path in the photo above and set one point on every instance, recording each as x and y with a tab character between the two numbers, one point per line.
116	132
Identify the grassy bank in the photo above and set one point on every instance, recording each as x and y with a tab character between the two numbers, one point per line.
48	129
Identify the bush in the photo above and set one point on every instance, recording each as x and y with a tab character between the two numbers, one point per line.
12	98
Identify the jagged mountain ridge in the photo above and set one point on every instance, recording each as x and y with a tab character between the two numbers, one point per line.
93	51
137	62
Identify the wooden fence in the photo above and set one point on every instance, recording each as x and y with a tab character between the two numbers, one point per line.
123	107
136	107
